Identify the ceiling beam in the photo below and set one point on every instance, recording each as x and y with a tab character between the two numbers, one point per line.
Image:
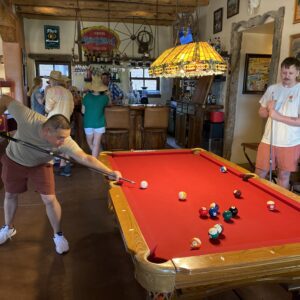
112	20
100	14
94	4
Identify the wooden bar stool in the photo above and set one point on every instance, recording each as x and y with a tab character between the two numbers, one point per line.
117	128
155	127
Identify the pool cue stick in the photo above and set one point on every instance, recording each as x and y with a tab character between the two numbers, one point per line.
271	150
54	154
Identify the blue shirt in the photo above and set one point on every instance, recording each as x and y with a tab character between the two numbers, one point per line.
116	92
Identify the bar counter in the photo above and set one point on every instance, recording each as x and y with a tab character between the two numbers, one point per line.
138	133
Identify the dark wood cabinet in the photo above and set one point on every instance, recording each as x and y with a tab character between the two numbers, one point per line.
191	115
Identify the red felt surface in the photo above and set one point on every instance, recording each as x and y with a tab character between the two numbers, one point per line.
168	225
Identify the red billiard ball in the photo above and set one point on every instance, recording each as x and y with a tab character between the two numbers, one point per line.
237	194
203	212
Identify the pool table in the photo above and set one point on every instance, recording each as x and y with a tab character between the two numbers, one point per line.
257	245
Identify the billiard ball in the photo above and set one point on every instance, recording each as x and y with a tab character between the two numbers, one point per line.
182	195
271	205
214	205
195	243
227	215
234	211
213	233
213	212
223	169
203	212
219	227
237	194
144	184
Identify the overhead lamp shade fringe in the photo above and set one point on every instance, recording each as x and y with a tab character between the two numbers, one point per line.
190	60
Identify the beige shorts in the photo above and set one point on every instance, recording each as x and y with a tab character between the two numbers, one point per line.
283	158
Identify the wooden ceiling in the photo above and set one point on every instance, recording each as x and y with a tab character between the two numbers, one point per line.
156	12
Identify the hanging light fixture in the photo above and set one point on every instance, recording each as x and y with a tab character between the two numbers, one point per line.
190	60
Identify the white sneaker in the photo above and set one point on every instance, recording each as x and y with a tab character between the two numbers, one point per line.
61	244
6	233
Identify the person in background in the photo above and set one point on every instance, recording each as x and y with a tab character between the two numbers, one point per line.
116	93
93	105
281	105
21	164
59	100
37	99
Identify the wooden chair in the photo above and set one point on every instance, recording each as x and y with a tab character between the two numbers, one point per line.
154	132
116	136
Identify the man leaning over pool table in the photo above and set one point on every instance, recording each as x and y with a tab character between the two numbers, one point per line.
21	163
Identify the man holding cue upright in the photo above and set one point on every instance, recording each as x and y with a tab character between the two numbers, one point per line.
281	139
21	163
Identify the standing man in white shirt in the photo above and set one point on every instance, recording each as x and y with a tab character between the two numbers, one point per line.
281	105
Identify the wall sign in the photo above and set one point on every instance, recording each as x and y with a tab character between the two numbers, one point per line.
99	39
52	40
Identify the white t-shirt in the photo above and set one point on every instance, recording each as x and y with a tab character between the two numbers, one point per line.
288	104
59	100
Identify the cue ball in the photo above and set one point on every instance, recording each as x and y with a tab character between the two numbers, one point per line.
237	194
195	243
271	205
182	195
144	184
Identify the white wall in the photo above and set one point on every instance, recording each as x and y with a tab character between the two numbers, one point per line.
248	125
34	43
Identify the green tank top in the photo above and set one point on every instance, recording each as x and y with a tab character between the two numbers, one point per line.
94	110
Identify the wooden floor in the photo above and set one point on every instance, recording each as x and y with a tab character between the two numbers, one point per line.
97	266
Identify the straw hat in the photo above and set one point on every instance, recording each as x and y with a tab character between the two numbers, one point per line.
97	85
56	75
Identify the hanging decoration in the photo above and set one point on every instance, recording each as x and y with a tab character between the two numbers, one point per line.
190	60
99	39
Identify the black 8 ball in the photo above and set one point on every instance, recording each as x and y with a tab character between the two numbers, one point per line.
233	210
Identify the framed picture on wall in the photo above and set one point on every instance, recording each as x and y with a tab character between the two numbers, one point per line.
297	11
218	20
295	45
52	39
256	76
232	8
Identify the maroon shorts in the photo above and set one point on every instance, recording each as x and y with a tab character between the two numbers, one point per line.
15	177
283	158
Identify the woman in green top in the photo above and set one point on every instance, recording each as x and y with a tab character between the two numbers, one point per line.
93	106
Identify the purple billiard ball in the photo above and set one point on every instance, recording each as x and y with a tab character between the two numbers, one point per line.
237	194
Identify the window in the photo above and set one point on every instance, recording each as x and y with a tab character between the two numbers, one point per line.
43	70
140	78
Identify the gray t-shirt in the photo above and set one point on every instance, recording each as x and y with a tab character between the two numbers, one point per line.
29	130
